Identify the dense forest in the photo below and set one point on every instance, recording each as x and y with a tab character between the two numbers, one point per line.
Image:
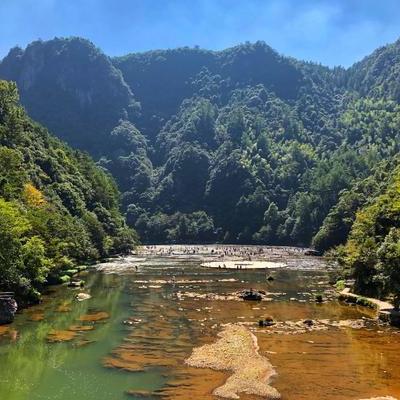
237	146
57	208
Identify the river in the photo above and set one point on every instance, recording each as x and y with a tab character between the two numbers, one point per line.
147	313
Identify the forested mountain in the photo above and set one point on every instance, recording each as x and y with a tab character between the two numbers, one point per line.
372	251
57	208
71	88
242	145
378	74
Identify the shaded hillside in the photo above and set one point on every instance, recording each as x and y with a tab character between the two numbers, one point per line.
71	87
241	145
57	209
163	79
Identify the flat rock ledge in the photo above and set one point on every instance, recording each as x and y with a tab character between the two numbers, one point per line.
237	351
386	311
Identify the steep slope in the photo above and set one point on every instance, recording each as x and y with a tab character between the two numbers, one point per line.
57	209
71	87
372	252
378	75
225	107
240	145
162	79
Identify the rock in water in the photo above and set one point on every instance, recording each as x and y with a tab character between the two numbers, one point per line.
251	295
312	252
83	296
8	308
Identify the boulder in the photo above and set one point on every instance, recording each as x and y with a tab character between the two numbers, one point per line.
312	252
250	295
8	308
319	298
267	321
76	284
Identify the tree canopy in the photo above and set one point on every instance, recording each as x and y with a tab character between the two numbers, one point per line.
57	209
241	146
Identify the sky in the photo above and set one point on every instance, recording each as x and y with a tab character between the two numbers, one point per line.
332	32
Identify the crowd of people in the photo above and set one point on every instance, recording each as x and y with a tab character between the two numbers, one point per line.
223	251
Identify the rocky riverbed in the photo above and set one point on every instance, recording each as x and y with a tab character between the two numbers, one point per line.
236	351
148	313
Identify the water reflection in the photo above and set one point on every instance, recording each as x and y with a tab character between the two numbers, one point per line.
143	331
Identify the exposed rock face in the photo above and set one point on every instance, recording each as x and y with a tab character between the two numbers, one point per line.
8	308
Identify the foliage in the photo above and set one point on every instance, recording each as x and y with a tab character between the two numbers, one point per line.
372	252
242	145
57	208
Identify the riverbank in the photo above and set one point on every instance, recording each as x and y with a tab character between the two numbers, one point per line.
386	311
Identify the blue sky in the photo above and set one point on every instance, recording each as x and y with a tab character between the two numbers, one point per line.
332	32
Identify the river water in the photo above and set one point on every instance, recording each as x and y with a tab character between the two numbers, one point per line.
142	323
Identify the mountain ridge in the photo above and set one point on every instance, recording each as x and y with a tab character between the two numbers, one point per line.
278	119
242	145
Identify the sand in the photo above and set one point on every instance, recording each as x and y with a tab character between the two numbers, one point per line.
237	351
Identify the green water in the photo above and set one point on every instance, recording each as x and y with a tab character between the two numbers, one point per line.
33	368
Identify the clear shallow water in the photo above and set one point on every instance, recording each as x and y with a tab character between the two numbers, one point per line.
114	358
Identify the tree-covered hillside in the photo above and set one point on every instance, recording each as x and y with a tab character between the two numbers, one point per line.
371	253
240	145
378	74
57	209
72	88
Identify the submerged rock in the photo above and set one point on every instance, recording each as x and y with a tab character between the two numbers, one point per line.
8	308
56	336
81	328
143	394
38	316
98	316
